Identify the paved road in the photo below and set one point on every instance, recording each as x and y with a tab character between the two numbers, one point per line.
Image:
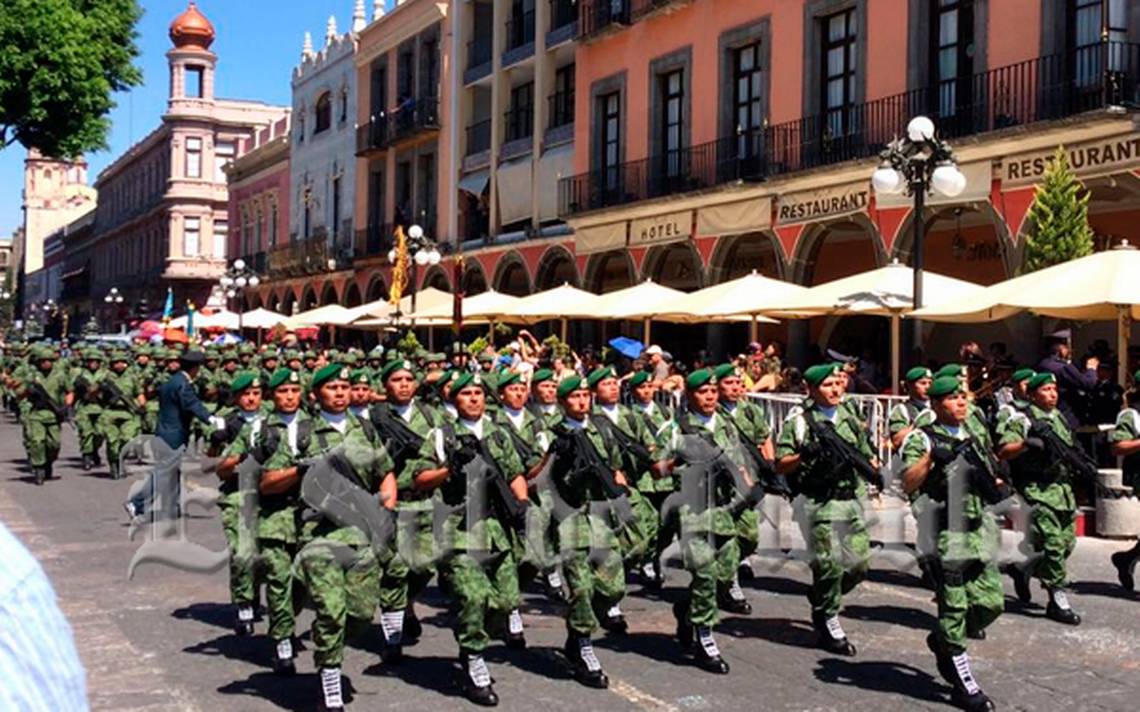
161	641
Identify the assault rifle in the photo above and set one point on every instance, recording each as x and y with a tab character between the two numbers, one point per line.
331	486
525	450
114	393
473	472
763	472
40	400
978	468
841	455
402	442
636	456
580	475
1073	457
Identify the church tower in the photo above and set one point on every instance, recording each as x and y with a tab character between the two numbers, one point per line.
192	64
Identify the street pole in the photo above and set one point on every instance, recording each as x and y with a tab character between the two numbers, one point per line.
918	187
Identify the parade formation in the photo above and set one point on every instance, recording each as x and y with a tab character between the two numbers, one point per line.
348	481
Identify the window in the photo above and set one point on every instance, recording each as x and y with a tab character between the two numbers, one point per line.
748	86
308	220
609	107
838	85
562	103
323	114
191	232
429	71
246	232
195	82
193	157
672	98
224	152
1087	27
300	114
343	105
425	177
221	236
520	117
259	232
335	228
952	63
404	213
405	75
272	223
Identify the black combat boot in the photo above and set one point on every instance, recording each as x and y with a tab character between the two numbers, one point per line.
392	623
708	654
579	651
283	658
515	638
614	621
413	629
1059	609
967	695
1021	583
332	698
552	583
88	462
684	628
1125	561
732	599
39	474
243	620
831	635
477	680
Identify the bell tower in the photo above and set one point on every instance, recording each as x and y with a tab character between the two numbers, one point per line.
192	64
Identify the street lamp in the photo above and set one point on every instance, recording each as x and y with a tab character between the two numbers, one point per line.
114	302
235	280
914	165
424	252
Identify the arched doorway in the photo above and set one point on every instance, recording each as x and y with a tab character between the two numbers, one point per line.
352	296
677	265
474	279
437	278
377	290
511	276
328	295
557	267
609	272
308	299
739	255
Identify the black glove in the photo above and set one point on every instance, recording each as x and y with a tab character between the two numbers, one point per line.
942	455
1035	443
218	438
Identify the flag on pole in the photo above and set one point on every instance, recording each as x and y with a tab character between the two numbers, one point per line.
399	269
168	308
190	318
457	296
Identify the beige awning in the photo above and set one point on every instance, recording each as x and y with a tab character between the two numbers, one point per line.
661	229
735	218
261	318
563	302
821	204
515	181
750	294
330	314
382	310
600	238
979	181
647	300
555	164
486	305
475	183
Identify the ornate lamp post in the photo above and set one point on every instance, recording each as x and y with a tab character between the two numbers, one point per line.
114	301
915	164
234	282
423	252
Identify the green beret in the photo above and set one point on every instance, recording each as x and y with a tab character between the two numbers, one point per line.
490	379
569	385
699	378
1024	374
120	355
725	370
269	355
310	355
359	376
598	375
435	357
816	375
246	348
918	373
93	355
229	356
292	355
333	371
448	376
945	386
951	369
506	378
396	365
1041	379
464	380
542	374
638	378
282	376
244	380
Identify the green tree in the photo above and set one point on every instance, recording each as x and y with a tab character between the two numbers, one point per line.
60	62
1060	218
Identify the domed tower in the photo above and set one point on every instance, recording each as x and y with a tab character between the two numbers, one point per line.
192	63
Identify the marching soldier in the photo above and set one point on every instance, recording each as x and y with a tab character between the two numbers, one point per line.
751	421
44	388
1125	439
88	407
1018	396
245	410
656	484
1044	479
360	396
403	422
275	442
833	494
969	587
545	393
123	408
480	568
591	553
915	411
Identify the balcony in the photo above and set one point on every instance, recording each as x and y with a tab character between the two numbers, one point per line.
560	128
520	38
478	59
563	22
479	137
412	118
1042	89
372	137
256	262
373	241
300	258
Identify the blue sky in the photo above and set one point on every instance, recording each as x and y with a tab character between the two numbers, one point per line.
258	44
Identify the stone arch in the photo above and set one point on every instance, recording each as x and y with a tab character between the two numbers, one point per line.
511	276
288	302
738	255
555	268
967	241
252	301
677	265
474	278
610	271
437	277
273	301
328	294
847	246
352	297
308	299
377	289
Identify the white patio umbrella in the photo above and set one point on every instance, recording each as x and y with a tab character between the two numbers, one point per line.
644	302
320	316
562	303
224	319
489	305
886	291
1103	286
745	296
261	318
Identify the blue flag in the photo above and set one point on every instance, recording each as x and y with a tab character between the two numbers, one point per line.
168	308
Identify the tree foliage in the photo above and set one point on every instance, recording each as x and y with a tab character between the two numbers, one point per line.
1060	218
60	62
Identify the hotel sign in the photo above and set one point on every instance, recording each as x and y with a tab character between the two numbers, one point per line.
823	204
661	229
1092	158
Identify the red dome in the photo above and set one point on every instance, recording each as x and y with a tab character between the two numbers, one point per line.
192	29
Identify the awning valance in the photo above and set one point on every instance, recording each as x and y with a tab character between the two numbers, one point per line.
735	218
600	238
516	181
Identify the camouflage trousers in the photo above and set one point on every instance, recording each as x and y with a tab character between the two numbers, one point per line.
87	427
596	579
1053	537
710	560
485	587
970	597
408	571
119	428
243	589
638	541
343	583
41	437
840	549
